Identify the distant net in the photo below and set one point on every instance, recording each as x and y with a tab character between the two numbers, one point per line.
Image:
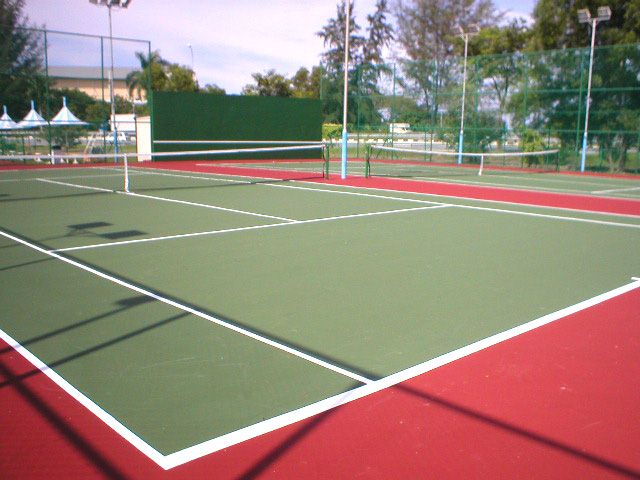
179	170
407	162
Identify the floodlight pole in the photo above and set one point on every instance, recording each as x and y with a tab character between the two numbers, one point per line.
111	93
466	36
109	4
191	50
593	22
345	134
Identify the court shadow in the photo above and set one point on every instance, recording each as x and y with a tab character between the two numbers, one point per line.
25	264
83	444
213	185
123	305
517	430
52	197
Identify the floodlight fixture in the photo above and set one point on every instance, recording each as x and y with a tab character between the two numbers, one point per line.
604	13
110	4
470	30
584	16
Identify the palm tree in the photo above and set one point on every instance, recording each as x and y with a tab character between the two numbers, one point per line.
151	74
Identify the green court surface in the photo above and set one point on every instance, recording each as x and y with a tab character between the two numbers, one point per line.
197	308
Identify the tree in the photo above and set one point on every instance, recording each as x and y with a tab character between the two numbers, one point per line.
365	57
333	36
21	66
152	73
499	59
614	108
271	84
556	24
213	89
180	79
305	84
427	31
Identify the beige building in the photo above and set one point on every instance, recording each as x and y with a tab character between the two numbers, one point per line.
94	81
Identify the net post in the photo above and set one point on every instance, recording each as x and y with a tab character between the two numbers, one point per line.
367	162
325	156
481	165
126	173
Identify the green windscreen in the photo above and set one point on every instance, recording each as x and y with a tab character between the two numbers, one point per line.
243	121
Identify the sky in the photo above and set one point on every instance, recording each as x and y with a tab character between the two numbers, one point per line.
225	41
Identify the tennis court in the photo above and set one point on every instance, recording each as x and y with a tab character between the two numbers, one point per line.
207	304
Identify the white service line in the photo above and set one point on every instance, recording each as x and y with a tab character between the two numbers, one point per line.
241	229
46	180
205	205
479	200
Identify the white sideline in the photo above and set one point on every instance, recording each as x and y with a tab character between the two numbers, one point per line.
197	451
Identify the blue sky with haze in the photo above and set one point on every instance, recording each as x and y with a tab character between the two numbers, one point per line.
230	40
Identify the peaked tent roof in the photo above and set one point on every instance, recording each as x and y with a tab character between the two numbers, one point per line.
33	119
65	117
6	123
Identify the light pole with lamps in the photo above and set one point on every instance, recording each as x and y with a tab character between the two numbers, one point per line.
109	4
191	50
584	16
473	30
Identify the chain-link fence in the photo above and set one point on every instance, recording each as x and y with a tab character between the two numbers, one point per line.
520	101
76	68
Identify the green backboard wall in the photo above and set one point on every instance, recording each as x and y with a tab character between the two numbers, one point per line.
199	116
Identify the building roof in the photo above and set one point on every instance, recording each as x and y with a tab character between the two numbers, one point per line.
90	73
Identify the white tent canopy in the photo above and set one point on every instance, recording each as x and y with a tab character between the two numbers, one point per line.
33	119
65	117
6	123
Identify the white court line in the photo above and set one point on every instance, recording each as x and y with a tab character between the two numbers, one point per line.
118	427
191	453
438	195
617	190
197	451
471	207
190	310
241	229
46	180
214	207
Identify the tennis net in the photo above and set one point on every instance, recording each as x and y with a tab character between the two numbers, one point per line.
407	162
132	172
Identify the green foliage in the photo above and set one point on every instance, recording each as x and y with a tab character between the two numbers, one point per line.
160	75
151	74
213	89
305	84
331	130
180	79
556	24
21	60
365	54
271	84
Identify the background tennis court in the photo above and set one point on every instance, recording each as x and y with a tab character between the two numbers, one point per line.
203	304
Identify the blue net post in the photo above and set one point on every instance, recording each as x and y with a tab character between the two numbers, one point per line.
345	142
